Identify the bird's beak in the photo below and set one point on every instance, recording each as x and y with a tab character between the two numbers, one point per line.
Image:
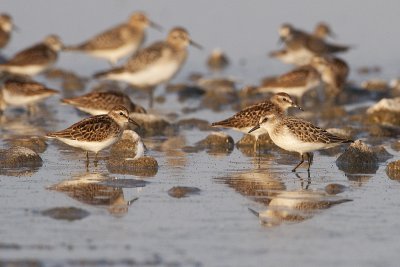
297	106
133	122
193	43
155	26
281	40
254	128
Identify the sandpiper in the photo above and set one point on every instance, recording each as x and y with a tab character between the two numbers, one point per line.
297	56
217	60
297	135
34	59
155	64
23	93
97	103
119	41
97	132
294	38
334	72
6	26
296	82
322	30
248	118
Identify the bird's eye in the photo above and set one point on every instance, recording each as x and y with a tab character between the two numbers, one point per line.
285	99
122	114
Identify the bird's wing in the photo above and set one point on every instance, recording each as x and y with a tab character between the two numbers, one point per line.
96	128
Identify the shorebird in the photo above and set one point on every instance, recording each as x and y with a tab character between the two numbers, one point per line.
334	72
322	30
97	132
294	38
119	41
34	59
23	93
248	118
295	55
297	135
296	82
6	26
217	60
97	103
155	64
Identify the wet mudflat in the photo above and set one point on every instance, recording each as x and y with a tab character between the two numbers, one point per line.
233	207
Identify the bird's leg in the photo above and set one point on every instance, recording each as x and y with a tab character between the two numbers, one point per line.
151	96
95	160
87	160
310	156
301	162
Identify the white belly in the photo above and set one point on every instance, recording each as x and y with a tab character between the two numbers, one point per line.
287	141
90	146
150	76
30	70
21	100
113	55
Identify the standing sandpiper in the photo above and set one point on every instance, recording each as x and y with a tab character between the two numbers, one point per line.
297	135
23	93
322	30
248	118
155	64
97	103
296	82
34	59
6	26
97	132
334	72
119	41
294	38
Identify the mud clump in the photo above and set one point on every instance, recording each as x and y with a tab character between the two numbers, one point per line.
18	156
393	170
34	143
217	141
381	153
143	166
202	125
129	146
396	146
65	213
249	140
334	189
358	158
183	191
385	112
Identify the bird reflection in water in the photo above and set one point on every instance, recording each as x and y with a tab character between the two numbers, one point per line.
95	189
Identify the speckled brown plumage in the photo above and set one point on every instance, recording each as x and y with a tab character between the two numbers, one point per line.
295	78
104	101
39	54
249	116
307	132
92	129
25	88
112	39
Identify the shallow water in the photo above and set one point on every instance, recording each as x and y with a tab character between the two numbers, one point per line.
214	227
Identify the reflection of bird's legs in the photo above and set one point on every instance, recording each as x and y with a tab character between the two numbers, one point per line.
302	181
151	96
301	162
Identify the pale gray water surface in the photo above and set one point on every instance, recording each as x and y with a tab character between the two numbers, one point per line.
215	227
